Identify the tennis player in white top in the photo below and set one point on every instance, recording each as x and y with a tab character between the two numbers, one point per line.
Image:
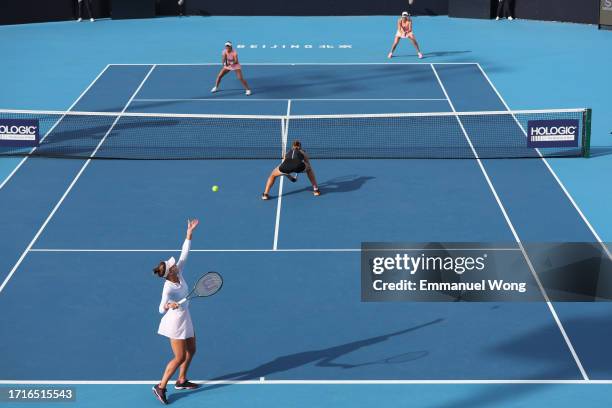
176	323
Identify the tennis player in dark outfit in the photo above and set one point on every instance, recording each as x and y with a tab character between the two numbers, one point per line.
88	7
295	161
503	9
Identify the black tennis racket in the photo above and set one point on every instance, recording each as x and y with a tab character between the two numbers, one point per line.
209	284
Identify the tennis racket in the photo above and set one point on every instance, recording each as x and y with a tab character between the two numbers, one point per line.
209	284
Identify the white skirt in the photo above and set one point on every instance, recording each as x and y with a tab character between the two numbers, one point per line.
400	35
176	324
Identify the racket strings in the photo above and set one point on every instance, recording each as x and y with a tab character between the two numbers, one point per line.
208	285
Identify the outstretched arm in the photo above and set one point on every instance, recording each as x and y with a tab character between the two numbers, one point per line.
191	226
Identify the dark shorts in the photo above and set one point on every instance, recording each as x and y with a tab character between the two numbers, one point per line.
292	166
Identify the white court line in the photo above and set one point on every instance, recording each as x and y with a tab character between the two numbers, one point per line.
269	250
76	178
551	308
312	382
552	172
282	179
284	99
303	63
54	126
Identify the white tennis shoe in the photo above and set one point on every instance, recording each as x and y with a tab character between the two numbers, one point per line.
213	90
248	92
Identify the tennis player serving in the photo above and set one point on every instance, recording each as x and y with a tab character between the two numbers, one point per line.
176	323
404	30
229	59
295	161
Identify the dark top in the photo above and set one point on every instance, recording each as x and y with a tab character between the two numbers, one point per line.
295	155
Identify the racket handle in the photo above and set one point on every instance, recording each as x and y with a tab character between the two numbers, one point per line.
183	300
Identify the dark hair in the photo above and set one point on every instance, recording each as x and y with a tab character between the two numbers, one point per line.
160	269
296	144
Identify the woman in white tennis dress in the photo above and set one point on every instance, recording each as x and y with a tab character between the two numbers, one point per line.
176	323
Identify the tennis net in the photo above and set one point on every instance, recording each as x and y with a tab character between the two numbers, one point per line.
158	136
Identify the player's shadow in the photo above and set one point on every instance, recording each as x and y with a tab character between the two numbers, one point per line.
496	395
271	86
342	184
321	358
589	329
433	54
599	151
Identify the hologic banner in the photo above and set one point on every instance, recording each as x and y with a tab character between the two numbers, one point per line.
553	133
486	272
605	13
19	132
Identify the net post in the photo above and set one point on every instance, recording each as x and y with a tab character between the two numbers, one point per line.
586	130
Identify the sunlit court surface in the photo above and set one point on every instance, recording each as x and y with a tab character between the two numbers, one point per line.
480	170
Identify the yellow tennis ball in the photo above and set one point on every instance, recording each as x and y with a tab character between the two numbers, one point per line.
215	189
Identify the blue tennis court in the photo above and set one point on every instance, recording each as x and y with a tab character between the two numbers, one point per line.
85	234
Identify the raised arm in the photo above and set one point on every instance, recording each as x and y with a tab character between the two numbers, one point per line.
191	226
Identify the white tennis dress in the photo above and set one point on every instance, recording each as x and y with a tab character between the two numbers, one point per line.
176	323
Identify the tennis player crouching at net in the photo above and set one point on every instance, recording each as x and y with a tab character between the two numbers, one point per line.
176	323
295	161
